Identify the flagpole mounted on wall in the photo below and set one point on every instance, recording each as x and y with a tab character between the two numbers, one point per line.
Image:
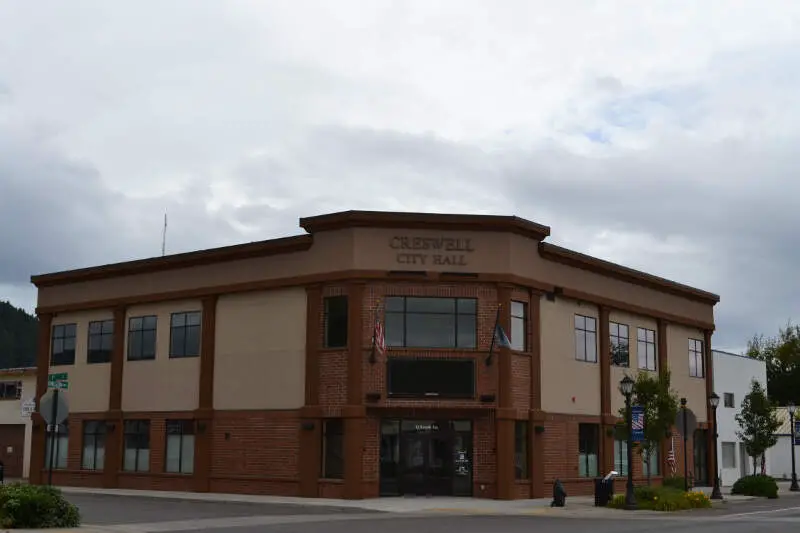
378	336
499	337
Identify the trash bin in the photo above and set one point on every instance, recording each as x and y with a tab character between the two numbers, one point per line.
603	491
559	495
2	473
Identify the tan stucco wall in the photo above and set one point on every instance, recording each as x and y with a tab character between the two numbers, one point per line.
89	384
260	350
11	413
693	389
162	384
563	376
617	373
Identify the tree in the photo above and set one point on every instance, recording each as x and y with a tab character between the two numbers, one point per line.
758	422
660	403
782	357
17	337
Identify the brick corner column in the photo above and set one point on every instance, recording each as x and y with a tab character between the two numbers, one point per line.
662	336
607	418
38	429
506	415
310	437
204	414
114	416
536	415
711	453
354	413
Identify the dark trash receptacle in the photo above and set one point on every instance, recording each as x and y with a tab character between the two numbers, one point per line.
559	495
2	473
603	491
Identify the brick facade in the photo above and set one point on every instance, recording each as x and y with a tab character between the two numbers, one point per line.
278	452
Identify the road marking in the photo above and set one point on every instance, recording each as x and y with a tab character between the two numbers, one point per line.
767	511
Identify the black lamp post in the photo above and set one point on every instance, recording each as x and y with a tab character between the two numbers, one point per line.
791	408
626	388
713	401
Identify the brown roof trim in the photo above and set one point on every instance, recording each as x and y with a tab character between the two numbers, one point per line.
367	275
606	268
249	250
435	221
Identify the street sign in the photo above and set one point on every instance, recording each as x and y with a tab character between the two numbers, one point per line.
58	381
27	407
691	422
54	407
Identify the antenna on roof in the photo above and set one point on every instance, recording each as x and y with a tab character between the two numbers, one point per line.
164	236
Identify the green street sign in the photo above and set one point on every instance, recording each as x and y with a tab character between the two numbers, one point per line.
58	381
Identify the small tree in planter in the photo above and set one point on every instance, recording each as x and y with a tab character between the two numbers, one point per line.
654	393
758	423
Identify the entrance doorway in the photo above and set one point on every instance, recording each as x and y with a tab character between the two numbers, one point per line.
426	457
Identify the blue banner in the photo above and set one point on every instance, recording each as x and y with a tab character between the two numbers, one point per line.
637	423
797	432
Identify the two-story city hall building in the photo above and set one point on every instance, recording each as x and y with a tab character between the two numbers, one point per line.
250	368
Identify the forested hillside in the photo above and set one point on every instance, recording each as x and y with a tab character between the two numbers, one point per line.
17	337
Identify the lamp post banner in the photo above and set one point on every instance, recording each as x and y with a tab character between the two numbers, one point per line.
797	432
637	423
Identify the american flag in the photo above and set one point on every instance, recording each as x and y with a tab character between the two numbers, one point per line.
379	339
671	455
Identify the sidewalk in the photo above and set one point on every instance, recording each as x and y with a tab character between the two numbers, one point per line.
412	505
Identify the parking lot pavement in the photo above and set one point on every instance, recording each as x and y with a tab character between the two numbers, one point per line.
101	509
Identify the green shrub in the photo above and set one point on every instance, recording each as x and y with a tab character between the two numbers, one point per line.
664	499
35	507
758	485
674	482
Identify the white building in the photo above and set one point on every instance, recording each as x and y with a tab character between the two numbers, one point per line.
16	386
733	375
779	457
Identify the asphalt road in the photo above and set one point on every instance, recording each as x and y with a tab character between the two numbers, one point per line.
142	514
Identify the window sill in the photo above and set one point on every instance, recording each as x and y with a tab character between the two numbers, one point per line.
98	362
331	480
585	361
410	349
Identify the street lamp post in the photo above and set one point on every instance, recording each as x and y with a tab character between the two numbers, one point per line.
713	401
791	408
626	388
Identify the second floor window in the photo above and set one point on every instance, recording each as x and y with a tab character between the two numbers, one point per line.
646	348
62	349
142	338
519	314
416	322
728	399
696	366
101	341
620	344
184	334
585	338
335	322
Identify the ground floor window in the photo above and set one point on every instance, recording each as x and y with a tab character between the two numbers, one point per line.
654	463
588	445
621	456
333	449
56	449
521	439
136	454
94	445
180	447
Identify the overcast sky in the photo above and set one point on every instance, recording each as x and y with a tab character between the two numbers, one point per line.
660	134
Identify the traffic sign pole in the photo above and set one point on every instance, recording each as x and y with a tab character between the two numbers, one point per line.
53	437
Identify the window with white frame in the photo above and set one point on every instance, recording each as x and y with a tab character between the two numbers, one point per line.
728	455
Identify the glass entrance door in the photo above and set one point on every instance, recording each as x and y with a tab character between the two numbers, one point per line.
426	457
